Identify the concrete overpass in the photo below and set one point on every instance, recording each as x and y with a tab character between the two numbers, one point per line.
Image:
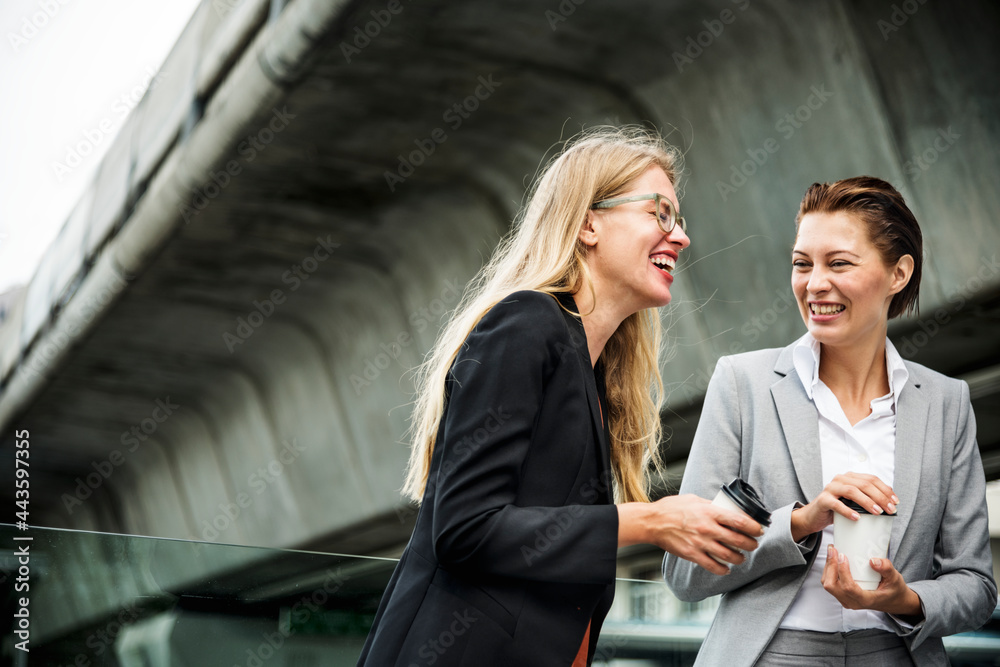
216	346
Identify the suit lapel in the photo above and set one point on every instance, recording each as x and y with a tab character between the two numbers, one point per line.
599	419
578	346
911	423
800	425
595	411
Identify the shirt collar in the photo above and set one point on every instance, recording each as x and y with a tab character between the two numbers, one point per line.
898	373
805	358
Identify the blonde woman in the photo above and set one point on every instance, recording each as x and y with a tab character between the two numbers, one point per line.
537	409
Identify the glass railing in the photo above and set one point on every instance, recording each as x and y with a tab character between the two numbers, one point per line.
82	599
85	598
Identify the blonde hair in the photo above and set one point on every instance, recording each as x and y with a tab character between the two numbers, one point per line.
542	252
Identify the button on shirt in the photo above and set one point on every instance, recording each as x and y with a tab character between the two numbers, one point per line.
866	447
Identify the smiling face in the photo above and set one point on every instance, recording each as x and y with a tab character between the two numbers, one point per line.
840	280
631	260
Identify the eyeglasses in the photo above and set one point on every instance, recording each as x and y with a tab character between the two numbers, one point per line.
667	216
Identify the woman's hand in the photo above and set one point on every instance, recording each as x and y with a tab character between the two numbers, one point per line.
866	490
892	596
690	527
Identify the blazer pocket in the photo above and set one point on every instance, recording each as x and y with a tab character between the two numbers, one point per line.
476	597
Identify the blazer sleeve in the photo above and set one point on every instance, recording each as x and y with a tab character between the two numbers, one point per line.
498	386
714	460
963	594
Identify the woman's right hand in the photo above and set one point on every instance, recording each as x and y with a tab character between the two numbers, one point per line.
691	528
866	490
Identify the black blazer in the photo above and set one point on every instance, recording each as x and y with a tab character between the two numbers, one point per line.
514	547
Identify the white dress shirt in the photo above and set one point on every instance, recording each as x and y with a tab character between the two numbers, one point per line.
866	447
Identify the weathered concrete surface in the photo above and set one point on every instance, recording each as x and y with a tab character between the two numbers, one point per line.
277	324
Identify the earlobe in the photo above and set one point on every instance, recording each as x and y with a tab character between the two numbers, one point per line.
902	273
588	234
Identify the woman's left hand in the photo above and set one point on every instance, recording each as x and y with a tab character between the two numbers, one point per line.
892	596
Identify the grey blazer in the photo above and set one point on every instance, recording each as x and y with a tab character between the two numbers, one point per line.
759	423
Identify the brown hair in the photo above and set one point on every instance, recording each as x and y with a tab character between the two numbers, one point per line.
892	227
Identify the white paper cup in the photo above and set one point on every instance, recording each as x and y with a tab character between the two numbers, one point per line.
746	493
862	540
740	497
722	500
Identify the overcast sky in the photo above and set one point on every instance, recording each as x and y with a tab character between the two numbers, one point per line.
69	69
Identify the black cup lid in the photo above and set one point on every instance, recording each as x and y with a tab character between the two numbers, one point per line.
745	497
854	506
859	509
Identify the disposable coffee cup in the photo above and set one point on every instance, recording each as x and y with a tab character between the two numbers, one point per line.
739	496
862	540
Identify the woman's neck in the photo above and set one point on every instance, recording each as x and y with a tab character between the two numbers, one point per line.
856	374
598	323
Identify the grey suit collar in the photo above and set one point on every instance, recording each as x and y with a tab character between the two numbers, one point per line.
911	430
800	424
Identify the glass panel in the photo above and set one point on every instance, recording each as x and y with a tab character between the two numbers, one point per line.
102	599
119	600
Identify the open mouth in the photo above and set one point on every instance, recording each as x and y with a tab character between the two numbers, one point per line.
826	309
664	263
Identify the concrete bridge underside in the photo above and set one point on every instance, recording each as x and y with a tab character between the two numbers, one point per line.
262	267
